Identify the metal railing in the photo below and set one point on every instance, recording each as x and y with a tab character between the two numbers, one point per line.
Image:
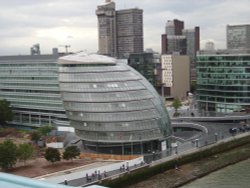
202	141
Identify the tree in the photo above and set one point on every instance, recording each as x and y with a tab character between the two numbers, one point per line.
52	155
193	87
24	152
8	154
176	104
6	113
45	130
71	152
35	136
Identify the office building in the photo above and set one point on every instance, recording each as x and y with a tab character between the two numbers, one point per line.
193	41
145	63
175	75
107	29
178	40
120	32
174	27
111	106
30	84
193	45
238	37
223	81
174	44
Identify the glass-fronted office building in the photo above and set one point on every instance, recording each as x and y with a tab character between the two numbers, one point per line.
113	108
223	82
145	64
30	84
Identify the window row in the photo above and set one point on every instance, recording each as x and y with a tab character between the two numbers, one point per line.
102	69
101	87
97	77
114	117
120	136
223	82
107	97
109	107
117	126
28	78
223	100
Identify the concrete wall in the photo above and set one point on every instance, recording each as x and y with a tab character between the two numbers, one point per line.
181	76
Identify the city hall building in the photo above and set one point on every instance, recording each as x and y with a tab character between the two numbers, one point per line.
111	106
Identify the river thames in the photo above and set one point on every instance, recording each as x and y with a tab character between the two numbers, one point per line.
234	176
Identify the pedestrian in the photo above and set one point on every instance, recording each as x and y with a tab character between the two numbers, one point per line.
87	177
105	174
99	176
65	182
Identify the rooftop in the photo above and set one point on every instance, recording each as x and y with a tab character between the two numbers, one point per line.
86	58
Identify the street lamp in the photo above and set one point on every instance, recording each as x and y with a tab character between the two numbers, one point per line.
153	155
175	147
216	137
197	142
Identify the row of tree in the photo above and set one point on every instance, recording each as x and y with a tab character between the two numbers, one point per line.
10	153
53	154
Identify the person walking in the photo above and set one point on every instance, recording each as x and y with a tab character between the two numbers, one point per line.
65	182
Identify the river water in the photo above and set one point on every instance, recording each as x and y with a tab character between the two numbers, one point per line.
234	176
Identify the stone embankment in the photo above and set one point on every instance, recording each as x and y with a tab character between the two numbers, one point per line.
186	173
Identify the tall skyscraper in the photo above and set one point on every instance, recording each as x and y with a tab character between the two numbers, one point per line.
193	41
188	40
174	27
107	28
238	37
120	32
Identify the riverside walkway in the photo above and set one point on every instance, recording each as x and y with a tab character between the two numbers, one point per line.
95	173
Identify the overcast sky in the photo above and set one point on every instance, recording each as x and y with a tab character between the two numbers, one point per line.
73	22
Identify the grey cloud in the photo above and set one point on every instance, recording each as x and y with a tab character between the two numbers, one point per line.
23	18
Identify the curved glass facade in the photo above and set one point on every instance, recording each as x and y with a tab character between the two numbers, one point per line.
223	82
110	103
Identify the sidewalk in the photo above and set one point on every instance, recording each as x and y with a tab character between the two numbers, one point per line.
95	172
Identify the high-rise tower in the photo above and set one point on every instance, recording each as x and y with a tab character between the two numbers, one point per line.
183	41
120	32
107	28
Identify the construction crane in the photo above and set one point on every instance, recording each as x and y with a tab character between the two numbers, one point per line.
66	47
